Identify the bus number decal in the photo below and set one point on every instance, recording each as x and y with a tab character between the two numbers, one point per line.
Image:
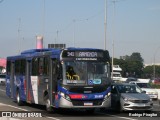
70	54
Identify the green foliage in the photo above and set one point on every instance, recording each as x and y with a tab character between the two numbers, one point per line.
155	86
148	71
133	65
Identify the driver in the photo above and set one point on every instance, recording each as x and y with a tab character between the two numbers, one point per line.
70	73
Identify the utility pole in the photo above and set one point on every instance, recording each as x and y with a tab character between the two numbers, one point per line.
43	26
154	68
113	39
105	24
19	39
74	32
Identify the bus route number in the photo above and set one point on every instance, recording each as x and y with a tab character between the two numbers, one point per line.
70	54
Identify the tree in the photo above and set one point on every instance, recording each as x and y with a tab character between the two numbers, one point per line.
148	71
133	65
136	57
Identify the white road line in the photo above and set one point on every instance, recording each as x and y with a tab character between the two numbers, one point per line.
17	107
2	90
53	118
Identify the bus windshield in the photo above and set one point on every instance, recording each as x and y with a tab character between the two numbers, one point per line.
85	72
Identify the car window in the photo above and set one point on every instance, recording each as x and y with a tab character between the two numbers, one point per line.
129	89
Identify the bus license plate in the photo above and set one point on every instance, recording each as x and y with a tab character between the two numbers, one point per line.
88	104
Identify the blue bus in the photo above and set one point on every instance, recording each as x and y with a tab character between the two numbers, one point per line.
60	78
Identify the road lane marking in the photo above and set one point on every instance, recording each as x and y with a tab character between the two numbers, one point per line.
52	118
2	90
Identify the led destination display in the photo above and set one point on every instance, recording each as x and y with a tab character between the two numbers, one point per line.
82	54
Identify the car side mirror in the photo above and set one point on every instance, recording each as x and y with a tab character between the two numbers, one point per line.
143	91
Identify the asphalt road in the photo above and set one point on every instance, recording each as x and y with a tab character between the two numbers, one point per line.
7	105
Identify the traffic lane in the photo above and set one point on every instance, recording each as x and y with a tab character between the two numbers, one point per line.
79	115
65	114
62	114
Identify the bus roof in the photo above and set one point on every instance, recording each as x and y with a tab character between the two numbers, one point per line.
51	51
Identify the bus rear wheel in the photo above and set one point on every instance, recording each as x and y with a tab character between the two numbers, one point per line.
18	99
49	108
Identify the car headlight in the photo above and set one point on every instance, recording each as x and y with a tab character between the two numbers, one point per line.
125	98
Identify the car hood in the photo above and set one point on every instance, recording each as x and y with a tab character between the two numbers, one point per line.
135	96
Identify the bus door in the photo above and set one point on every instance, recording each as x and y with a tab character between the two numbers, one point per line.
53	81
28	81
12	78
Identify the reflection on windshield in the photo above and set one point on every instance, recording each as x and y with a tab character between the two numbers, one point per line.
129	89
81	72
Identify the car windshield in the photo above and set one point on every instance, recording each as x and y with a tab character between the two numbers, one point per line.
129	89
143	85
84	72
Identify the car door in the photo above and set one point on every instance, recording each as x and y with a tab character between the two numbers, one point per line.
115	97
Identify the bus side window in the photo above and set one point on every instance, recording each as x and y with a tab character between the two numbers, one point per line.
57	68
35	66
41	70
41	66
8	67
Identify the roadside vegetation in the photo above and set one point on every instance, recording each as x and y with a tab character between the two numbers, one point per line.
133	65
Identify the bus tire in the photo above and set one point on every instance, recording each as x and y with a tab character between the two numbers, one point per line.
18	99
49	108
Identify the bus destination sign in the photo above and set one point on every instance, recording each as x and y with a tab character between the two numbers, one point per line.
82	55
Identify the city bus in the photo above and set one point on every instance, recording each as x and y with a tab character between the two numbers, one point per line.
45	76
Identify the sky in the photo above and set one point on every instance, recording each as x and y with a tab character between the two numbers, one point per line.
132	25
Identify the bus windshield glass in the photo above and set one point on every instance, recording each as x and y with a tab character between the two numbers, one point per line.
85	72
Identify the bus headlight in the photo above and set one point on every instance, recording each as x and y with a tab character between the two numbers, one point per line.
107	96
65	96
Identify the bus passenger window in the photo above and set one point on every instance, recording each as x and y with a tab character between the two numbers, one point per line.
40	70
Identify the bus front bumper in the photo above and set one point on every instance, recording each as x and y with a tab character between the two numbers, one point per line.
63	103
